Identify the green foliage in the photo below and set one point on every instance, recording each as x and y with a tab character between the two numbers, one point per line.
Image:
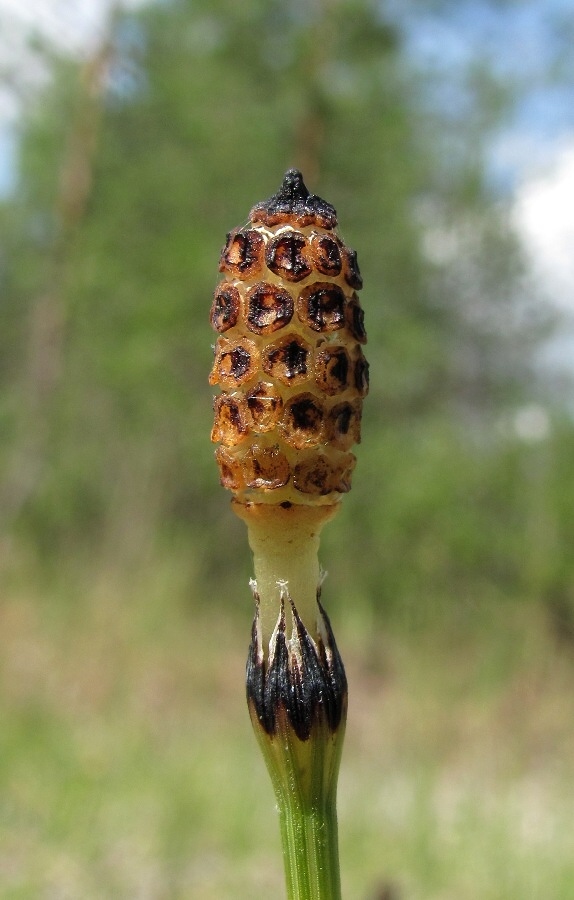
134	165
128	766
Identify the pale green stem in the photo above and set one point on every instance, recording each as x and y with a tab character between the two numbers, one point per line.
306	801
285	546
303	766
310	851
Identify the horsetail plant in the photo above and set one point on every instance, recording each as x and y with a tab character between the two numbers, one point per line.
292	377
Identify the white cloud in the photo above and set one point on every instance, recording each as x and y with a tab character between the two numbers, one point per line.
544	217
68	23
77	26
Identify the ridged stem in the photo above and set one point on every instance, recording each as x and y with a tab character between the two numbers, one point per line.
310	841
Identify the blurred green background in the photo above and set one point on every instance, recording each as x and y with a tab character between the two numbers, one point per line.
127	764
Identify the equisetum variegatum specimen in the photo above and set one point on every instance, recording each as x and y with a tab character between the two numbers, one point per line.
292	377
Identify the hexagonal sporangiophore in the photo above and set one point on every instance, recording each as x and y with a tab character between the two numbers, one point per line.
268	308
319	475
326	254
302	421
321	306
288	359
343	424
351	271
265	406
242	256
225	308
361	374
230	470
356	320
332	369
231	420
288	256
265	467
235	363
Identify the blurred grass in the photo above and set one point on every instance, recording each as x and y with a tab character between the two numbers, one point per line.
128	768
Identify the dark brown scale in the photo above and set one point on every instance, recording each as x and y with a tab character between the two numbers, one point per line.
268	308
302	422
362	376
265	406
288	256
265	467
235	362
293	204
352	274
326	254
321	306
288	361
307	686
344	425
242	255
356	320
225	308
332	370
